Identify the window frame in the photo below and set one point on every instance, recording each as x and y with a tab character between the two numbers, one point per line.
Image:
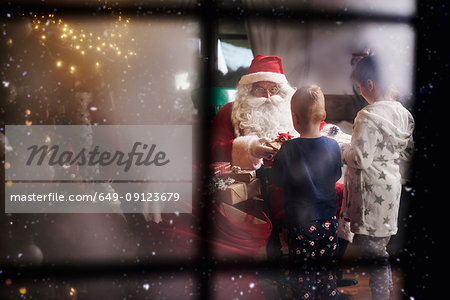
208	13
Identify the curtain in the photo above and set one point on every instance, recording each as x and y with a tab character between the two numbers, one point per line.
282	39
319	51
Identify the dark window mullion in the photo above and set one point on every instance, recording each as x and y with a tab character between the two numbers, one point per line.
209	30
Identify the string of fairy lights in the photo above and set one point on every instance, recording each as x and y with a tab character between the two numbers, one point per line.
67	42
112	44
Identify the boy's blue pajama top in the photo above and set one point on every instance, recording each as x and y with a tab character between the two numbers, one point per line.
308	169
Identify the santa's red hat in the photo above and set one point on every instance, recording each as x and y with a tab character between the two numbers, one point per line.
264	68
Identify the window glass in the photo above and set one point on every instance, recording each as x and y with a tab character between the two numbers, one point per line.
88	71
235	56
148	70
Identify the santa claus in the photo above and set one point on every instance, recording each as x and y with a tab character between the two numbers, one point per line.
260	111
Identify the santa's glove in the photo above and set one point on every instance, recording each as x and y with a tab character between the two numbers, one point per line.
259	149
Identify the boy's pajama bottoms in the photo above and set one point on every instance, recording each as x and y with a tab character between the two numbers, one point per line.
312	257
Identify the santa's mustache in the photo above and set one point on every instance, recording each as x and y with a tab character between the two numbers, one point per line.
275	100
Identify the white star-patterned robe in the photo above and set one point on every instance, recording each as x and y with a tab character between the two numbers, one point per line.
382	134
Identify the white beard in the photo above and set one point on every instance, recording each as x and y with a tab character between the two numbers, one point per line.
260	116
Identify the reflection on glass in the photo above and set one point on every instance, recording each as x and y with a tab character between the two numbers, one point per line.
117	71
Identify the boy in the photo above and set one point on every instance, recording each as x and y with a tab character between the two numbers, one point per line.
308	168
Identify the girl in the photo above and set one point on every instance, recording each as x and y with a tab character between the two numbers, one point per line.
382	134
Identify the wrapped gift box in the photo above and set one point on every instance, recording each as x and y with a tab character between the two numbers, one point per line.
241	175
234	193
238	215
218	168
239	191
276	143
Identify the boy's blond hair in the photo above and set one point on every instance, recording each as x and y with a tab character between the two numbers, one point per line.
308	103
